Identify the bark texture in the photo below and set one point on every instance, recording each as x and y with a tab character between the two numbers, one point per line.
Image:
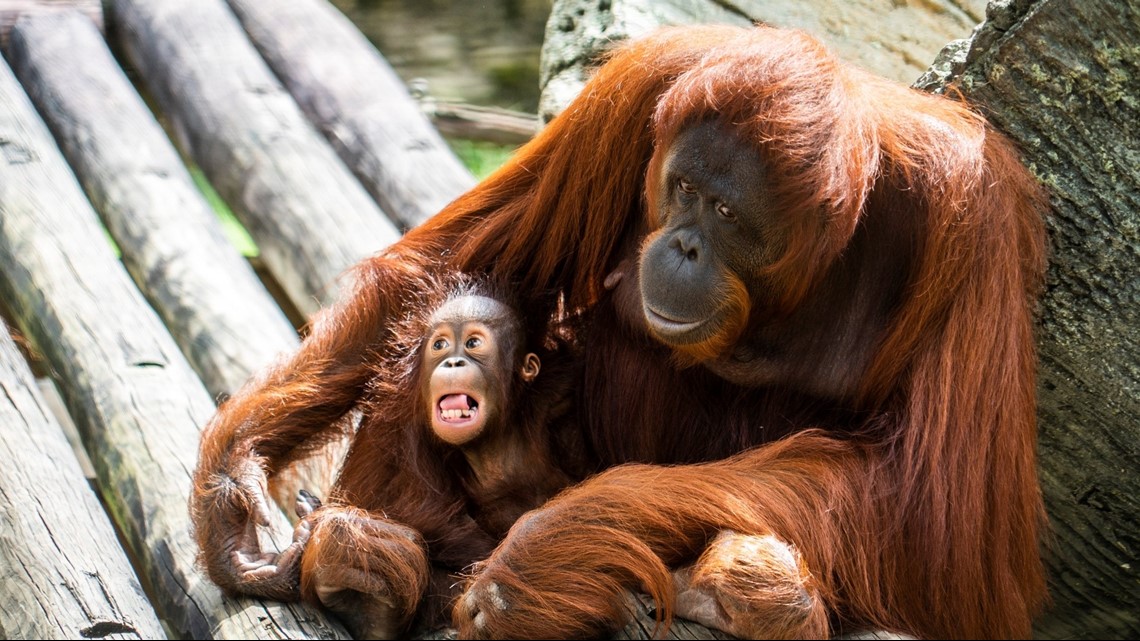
359	103
62	572
172	244
1063	79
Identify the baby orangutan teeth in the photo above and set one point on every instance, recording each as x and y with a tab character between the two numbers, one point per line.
456	414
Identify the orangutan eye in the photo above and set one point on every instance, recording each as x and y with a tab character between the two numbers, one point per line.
686	186
473	342
725	212
439	344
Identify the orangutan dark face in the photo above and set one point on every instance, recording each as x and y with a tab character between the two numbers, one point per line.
713	236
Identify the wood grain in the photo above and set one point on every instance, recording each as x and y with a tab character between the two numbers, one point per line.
359	103
172	243
311	218
62	572
138	404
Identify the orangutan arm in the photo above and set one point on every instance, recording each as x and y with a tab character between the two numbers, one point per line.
279	416
568	569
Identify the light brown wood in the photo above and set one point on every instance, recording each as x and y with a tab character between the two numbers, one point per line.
356	99
310	217
62	572
137	403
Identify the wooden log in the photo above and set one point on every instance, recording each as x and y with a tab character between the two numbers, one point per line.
51	396
891	38
135	399
476	122
309	215
11	10
643	625
62	572
171	241
209	297
355	98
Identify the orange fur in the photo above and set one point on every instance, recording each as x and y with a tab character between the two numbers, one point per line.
353	553
755	587
895	318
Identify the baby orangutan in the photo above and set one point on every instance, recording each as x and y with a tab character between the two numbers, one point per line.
470	434
474	381
466	344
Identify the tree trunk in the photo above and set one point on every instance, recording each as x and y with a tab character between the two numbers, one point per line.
1063	79
311	218
137	403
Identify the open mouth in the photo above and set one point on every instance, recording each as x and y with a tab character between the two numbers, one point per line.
457	409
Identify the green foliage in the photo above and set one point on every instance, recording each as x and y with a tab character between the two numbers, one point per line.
111	241
233	229
481	158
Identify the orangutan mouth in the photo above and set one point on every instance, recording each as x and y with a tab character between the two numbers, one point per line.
458	408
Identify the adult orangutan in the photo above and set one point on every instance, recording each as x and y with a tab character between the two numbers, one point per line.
809	289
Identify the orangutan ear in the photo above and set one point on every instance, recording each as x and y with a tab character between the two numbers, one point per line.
530	367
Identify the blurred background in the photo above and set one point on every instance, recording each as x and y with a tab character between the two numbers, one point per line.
481	53
485	53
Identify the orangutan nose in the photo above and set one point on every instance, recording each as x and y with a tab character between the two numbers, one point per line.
687	243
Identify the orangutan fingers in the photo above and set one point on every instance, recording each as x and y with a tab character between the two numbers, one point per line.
245	551
752	586
480	605
291	555
697	604
302	532
245	562
261	509
306	503
278	578
262	574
